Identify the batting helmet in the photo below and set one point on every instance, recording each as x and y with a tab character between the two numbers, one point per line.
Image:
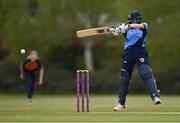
134	16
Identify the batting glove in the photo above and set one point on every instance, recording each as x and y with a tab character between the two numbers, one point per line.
123	28
115	30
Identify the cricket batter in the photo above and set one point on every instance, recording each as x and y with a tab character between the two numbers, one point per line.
30	69
135	53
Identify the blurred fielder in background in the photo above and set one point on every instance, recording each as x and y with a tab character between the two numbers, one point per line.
30	70
135	33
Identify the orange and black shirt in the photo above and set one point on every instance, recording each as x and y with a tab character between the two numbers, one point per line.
30	66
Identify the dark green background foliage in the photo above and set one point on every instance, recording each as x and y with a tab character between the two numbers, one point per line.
49	26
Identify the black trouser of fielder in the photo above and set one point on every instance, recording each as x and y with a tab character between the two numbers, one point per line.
30	78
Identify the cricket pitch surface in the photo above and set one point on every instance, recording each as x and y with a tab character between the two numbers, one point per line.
63	108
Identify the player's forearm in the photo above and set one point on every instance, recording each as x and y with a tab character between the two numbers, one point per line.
41	74
21	68
21	71
136	26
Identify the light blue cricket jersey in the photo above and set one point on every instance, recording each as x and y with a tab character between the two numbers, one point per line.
136	36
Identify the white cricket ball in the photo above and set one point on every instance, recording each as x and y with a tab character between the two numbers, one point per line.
23	51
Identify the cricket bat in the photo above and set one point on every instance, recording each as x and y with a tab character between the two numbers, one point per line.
92	32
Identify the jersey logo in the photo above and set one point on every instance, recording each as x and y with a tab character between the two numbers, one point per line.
141	60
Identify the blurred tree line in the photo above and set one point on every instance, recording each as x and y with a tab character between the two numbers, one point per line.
49	26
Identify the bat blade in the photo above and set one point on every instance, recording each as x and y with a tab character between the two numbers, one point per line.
92	32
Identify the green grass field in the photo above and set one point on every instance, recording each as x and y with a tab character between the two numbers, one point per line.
63	108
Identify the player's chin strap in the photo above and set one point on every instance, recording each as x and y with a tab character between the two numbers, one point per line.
121	29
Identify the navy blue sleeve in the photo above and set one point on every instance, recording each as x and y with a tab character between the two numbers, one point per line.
39	63
25	61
